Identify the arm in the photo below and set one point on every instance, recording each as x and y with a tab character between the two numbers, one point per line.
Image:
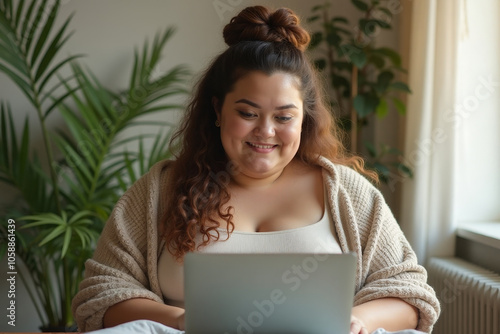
141	308
387	265
392	314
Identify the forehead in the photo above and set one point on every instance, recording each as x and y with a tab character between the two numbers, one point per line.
275	86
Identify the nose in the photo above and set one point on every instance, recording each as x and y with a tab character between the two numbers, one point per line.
264	128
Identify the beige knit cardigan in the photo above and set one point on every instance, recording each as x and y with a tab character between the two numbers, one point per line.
124	264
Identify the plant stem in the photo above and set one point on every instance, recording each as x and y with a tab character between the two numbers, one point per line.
48	148
331	58
354	114
32	296
355	89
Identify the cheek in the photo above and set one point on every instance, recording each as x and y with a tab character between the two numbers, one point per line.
235	129
291	135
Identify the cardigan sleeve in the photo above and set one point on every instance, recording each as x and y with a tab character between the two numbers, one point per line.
391	270
387	265
124	260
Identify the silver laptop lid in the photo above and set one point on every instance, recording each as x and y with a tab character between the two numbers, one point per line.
268	293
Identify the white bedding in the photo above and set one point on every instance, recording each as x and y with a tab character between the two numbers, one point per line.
152	327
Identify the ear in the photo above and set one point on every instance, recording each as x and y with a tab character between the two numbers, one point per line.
216	106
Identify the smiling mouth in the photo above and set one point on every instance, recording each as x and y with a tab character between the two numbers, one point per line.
263	146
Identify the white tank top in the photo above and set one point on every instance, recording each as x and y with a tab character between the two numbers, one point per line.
314	238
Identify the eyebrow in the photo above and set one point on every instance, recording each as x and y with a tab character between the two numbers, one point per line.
255	105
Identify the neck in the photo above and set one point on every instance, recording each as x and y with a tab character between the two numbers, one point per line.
248	182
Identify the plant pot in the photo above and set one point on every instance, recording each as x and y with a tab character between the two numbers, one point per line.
58	329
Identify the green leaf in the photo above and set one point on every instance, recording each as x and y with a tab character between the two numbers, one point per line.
386	11
54	70
382	24
400	106
34	26
405	169
44	33
27	18
394	57
53	49
342	65
340	81
383	171
383	80
67	240
24	152
20	82
78	216
400	86
372	151
368	26
53	234
346	32
361	5
378	61
316	39
5	110
19	11
13	140
313	18
13	59
58	102
354	54
333	39
382	109
340	19
365	104
394	151
320	64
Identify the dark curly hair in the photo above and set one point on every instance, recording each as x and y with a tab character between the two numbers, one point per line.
259	40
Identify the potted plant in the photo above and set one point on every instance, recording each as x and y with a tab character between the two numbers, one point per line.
61	206
364	78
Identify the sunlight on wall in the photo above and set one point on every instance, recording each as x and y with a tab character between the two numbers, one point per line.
478	119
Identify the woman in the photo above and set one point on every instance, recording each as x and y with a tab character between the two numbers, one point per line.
261	169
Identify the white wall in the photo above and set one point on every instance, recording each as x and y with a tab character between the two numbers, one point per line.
107	31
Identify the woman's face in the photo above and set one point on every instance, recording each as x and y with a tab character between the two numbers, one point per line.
260	123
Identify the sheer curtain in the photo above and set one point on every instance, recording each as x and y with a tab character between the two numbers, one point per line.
429	201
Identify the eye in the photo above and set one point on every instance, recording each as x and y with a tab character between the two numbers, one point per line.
283	119
246	114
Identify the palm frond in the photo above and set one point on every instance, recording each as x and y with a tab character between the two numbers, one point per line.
17	168
66	229
27	51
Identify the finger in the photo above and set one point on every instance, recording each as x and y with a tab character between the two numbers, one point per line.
356	328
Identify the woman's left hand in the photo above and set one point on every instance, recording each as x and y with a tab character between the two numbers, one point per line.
357	326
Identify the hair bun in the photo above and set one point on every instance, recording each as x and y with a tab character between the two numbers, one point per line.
258	23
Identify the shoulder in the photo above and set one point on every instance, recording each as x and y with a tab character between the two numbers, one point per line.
156	178
351	191
145	194
347	179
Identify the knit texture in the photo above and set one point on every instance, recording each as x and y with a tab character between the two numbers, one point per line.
124	264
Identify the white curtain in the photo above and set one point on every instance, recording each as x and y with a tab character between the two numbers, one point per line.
429	201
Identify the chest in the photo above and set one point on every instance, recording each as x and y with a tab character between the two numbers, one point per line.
293	204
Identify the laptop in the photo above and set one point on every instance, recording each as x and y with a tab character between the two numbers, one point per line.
268	293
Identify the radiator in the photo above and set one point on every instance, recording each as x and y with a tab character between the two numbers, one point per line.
469	296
